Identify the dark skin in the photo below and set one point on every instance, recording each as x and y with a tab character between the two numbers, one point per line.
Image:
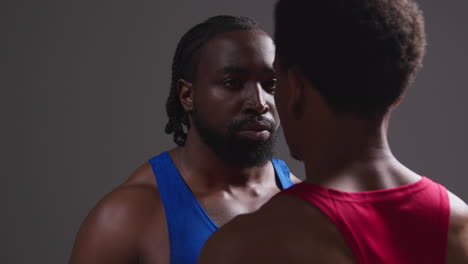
128	225
339	152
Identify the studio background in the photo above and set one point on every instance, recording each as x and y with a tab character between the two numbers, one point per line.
84	85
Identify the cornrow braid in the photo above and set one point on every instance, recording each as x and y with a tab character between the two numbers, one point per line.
185	61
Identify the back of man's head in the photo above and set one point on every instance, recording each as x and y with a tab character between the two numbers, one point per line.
360	54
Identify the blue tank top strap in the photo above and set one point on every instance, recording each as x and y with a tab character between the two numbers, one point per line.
188	224
282	171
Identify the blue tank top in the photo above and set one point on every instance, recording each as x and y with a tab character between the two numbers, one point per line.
188	224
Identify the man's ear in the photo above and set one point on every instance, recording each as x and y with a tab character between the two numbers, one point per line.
297	84
185	92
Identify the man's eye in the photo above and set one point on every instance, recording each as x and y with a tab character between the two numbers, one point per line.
269	85
231	83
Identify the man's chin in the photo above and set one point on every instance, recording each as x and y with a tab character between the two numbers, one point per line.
247	152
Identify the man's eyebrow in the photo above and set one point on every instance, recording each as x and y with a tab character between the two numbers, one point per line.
233	69
237	69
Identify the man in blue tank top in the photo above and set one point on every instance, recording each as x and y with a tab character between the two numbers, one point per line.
224	121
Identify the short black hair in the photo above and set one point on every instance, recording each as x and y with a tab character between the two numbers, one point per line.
185	63
360	54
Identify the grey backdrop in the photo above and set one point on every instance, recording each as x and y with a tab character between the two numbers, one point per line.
85	85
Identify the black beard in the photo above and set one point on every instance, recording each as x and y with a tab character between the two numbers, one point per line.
242	152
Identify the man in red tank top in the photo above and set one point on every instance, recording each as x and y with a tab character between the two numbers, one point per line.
342	66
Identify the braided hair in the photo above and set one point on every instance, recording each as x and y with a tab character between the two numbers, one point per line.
185	61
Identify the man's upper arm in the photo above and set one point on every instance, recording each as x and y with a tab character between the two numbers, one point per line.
457	251
111	233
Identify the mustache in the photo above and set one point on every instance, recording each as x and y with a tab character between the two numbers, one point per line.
238	124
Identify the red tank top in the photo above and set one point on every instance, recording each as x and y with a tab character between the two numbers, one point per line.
407	224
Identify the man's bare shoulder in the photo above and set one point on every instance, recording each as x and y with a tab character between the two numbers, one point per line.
114	229
133	202
142	176
457	250
284	230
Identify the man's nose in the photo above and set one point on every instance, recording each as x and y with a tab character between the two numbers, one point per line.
255	102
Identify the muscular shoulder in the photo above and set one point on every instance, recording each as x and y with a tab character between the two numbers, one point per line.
128	204
457	250
134	202
116	226
284	230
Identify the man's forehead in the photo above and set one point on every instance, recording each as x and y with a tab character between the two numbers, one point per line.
237	51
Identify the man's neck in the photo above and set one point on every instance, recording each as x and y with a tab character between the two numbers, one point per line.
355	156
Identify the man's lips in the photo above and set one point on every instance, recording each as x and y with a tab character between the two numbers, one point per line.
256	126
255	135
256	130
